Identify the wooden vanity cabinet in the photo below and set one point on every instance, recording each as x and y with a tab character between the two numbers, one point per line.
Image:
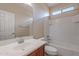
38	52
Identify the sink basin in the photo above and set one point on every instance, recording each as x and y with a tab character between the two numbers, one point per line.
25	48
22	46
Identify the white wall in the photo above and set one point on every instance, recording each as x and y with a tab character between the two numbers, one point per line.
40	13
64	33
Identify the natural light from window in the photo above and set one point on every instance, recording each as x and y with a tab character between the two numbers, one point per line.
68	9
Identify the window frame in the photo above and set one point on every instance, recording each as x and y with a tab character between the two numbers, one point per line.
65	10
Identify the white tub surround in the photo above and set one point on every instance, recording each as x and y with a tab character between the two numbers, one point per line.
64	34
15	49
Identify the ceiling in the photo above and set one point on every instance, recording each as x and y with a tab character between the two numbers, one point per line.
19	8
27	9
47	4
51	4
26	6
30	10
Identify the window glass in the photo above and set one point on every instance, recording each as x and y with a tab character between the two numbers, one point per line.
68	9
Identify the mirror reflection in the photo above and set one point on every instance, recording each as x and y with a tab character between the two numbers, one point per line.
15	20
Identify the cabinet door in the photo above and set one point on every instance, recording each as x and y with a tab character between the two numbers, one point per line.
38	52
33	54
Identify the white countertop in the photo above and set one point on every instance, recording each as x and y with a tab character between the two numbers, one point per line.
15	49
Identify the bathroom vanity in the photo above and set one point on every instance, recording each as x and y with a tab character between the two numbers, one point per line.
38	52
30	47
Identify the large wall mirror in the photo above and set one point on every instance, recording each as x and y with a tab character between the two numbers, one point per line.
16	20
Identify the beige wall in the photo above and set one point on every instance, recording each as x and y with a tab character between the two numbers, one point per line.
20	30
21	14
40	14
